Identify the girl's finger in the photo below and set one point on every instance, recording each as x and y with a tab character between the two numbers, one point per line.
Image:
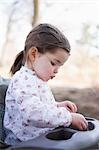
75	107
68	108
72	107
84	125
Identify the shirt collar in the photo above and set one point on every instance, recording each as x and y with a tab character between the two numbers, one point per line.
28	70
24	68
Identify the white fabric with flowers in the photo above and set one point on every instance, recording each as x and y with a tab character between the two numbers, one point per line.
31	109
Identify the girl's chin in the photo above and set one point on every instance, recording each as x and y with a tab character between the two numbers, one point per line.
46	79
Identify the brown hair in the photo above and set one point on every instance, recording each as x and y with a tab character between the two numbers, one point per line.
46	38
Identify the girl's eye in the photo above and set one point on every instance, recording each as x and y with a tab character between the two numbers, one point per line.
52	63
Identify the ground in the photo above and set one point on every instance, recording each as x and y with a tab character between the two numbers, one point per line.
87	100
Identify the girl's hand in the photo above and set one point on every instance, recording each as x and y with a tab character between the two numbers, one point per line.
70	106
79	121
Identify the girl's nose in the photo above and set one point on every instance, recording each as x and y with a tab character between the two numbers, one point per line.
56	70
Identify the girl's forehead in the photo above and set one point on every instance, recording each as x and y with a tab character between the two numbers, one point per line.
59	55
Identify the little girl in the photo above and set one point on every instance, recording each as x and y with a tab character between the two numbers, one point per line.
31	109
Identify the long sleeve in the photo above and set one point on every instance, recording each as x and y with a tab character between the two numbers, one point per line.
35	110
31	108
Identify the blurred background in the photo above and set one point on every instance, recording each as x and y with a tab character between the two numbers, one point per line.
78	20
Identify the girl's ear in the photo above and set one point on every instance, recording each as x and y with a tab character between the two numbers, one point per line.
33	53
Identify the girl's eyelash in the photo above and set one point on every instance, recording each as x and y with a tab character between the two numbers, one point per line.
52	63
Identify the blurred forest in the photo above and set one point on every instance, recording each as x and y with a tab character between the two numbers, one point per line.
78	79
17	17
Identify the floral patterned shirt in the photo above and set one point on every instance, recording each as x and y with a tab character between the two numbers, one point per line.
31	109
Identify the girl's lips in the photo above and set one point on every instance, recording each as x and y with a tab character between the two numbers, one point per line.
52	77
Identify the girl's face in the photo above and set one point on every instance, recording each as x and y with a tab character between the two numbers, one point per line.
46	65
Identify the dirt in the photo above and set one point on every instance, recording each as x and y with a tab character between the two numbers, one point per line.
87	100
